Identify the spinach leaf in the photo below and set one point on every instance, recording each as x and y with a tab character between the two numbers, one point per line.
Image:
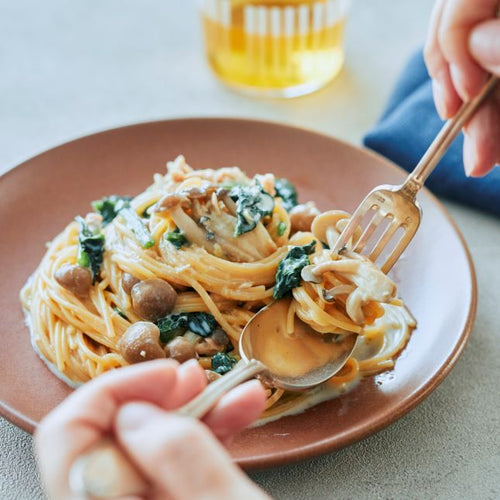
145	213
90	248
252	203
177	238
223	362
287	192
201	323
109	206
288	273
172	325
138	227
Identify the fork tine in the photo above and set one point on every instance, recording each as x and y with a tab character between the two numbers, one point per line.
398	249
349	230
377	218
383	240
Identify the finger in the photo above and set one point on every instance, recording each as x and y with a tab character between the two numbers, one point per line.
236	410
88	413
484	44
191	380
445	96
179	455
481	145
446	99
458	19
433	56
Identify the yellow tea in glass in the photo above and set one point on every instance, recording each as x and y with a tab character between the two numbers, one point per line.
279	48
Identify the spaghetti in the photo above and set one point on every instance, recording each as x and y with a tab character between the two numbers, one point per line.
180	269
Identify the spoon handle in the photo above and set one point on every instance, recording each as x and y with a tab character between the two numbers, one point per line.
106	472
202	403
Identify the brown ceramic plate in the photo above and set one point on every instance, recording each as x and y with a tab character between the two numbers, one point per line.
436	277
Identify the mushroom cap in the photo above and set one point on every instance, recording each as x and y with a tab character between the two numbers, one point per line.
141	342
128	282
153	298
181	349
327	221
301	216
208	347
74	278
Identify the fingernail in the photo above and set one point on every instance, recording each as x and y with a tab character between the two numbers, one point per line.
470	156
439	99
189	367
458	82
134	415
190	363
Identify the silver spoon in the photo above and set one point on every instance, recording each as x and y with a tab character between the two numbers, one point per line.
294	362
304	359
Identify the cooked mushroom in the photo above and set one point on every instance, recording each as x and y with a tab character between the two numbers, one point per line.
324	226
205	224
184	198
128	282
198	193
211	376
153	298
76	279
170	201
314	272
331	294
301	216
181	349
220	337
208	347
369	283
141	342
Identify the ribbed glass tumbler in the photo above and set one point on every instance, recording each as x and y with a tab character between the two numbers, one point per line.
278	48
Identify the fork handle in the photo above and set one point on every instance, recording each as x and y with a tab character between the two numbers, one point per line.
444	138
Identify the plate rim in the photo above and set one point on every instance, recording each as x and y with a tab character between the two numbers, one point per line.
331	443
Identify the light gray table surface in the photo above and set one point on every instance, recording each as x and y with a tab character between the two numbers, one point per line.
71	68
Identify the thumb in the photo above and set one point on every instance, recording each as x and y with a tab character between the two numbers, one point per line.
179	455
484	45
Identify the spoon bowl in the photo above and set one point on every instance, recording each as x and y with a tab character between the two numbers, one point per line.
296	360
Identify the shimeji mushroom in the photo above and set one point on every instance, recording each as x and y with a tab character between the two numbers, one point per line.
328	226
207	219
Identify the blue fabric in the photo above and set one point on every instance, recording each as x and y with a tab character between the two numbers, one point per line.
408	126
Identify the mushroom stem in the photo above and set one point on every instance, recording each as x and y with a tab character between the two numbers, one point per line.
331	294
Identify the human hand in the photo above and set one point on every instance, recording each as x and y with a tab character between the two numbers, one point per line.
179	456
463	45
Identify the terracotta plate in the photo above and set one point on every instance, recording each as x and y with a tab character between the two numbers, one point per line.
436	277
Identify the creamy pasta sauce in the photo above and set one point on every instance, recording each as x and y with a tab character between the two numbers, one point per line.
290	354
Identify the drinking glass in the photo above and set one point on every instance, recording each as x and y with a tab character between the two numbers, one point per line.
278	48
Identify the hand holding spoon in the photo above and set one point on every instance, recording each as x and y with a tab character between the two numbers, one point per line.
293	361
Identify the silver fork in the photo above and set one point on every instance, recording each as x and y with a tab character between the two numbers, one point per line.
397	204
